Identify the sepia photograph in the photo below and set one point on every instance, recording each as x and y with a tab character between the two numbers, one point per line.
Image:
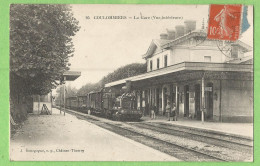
131	82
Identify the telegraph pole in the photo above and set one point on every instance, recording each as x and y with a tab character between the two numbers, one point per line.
60	96
64	94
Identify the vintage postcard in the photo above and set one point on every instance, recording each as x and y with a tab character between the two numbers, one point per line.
103	82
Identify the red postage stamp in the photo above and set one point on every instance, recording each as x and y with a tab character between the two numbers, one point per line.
224	22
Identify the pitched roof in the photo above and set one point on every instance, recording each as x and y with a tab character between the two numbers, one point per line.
243	60
156	43
161	42
164	44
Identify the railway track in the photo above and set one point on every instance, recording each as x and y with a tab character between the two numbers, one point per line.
181	152
217	139
175	150
219	135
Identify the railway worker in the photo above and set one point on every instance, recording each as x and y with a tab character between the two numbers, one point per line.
174	113
153	112
168	110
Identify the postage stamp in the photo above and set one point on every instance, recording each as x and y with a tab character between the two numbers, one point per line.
224	22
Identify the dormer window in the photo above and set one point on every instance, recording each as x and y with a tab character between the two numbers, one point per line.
158	63
234	51
151	65
165	61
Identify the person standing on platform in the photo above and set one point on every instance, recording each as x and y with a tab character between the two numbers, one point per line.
153	112
174	113
168	110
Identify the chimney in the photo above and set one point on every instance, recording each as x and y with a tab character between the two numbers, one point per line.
179	30
128	86
171	34
190	25
163	36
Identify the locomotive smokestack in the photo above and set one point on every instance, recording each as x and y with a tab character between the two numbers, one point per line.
128	86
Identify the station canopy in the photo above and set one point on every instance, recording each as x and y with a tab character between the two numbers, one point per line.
71	75
184	69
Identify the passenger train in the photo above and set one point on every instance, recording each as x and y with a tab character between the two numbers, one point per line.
106	104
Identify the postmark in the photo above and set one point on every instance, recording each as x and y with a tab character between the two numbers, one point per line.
224	22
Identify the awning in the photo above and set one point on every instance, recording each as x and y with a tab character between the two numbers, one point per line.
71	75
187	66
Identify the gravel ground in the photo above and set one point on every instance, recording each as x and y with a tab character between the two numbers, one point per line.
243	129
228	154
67	138
225	153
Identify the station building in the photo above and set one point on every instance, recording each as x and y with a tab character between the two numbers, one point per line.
197	74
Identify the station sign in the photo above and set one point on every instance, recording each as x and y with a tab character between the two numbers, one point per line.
208	89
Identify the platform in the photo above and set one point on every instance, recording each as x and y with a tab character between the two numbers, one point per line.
66	138
240	129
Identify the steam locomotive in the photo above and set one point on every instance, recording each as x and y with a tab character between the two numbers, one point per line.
106	104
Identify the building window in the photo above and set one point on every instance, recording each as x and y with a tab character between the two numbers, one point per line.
234	51
158	63
165	61
151	65
207	58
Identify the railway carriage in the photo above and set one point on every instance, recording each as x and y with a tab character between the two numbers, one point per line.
72	103
106	104
82	103
94	103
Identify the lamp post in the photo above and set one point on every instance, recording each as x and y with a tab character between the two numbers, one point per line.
66	76
203	99
62	81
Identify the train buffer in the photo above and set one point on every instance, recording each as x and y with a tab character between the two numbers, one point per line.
45	110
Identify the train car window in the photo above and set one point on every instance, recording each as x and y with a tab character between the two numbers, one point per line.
117	104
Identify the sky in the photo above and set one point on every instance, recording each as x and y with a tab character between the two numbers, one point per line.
103	45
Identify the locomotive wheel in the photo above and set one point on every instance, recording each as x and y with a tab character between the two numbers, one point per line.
107	116
89	112
118	118
114	117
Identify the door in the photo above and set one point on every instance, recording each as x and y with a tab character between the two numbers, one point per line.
165	97
186	101
160	100
173	95
29	104
197	102
209	101
157	102
146	97
177	100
